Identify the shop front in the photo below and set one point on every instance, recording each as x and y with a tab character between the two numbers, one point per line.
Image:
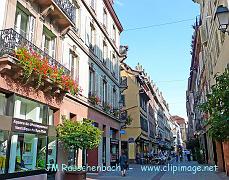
27	139
114	148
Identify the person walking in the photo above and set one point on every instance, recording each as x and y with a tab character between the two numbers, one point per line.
123	163
188	155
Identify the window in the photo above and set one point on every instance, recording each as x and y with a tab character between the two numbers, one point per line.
51	117
28	152
30	110
24	23
105	52
113	63
151	133
21	22
91	81
2	104
78	17
52	144
93	4
104	18
114	33
92	37
114	101
3	149
49	42
123	100
104	92
74	65
144	124
143	103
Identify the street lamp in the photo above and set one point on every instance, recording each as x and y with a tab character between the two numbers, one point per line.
222	18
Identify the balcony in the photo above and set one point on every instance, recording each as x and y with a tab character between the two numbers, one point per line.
10	42
61	12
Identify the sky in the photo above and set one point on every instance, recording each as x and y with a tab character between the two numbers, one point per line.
163	51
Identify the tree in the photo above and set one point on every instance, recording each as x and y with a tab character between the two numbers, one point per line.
217	106
79	135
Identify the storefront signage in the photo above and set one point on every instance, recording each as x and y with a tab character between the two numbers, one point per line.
122	131
114	141
25	126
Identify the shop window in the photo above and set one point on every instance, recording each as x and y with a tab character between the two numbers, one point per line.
71	157
30	110
3	150
2	104
52	144
28	152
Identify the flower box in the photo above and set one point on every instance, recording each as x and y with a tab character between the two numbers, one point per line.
36	68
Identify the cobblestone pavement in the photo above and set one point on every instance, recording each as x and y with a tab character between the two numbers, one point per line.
136	173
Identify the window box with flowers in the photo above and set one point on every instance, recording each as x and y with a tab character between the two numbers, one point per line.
94	99
107	107
38	68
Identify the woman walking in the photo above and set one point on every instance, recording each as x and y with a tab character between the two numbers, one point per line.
123	163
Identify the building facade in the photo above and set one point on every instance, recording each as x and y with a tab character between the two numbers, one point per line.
183	128
149	130
209	56
79	40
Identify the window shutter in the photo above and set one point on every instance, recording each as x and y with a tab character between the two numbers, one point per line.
101	88
96	84
31	28
87	34
18	22
43	42
203	34
108	94
52	48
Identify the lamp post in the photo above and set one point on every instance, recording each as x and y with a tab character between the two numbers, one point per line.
222	18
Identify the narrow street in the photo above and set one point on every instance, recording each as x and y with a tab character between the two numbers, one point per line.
135	173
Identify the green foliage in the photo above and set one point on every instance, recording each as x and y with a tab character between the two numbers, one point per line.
77	134
128	120
193	143
217	106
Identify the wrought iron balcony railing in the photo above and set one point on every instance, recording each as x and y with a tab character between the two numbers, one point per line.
68	8
10	40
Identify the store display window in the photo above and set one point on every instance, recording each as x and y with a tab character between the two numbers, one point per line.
28	152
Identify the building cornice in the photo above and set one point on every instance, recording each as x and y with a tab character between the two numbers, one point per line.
113	14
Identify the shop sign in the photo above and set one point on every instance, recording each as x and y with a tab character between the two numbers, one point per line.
25	126
122	131
114	141
131	140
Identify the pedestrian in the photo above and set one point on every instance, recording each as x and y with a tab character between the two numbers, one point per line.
188	155
123	163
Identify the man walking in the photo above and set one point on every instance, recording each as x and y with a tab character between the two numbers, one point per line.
123	163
